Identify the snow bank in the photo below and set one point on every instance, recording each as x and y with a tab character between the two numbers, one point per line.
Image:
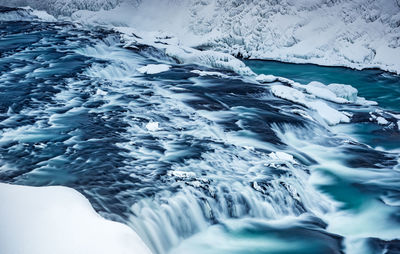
352	33
154	68
50	220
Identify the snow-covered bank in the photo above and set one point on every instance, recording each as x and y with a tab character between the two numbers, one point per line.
357	34
59	220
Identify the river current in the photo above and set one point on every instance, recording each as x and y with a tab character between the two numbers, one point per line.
199	163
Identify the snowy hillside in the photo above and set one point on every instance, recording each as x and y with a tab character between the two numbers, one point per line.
357	33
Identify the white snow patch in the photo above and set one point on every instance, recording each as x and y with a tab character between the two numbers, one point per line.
153	126
289	94
262	78
208	58
182	174
154	68
47	220
382	121
101	92
209	73
379	119
282	156
344	91
329	114
321	91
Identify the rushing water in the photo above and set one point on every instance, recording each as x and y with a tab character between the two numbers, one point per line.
218	175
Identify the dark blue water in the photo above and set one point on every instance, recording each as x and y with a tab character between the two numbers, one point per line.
212	178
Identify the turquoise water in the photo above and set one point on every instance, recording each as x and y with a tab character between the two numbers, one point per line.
376	85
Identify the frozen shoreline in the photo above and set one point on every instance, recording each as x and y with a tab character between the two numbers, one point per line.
47	220
352	34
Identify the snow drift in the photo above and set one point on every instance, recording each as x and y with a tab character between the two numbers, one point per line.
59	220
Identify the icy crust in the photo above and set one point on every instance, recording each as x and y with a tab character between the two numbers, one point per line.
48	220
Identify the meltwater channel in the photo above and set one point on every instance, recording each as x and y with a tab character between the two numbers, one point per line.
226	167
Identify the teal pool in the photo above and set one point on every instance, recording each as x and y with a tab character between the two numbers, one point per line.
376	85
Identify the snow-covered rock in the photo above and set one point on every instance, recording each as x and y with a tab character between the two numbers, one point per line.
48	220
152	126
209	73
321	91
154	68
330	115
382	121
344	91
282	156
262	78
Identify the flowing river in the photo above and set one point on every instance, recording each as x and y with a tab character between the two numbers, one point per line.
200	163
